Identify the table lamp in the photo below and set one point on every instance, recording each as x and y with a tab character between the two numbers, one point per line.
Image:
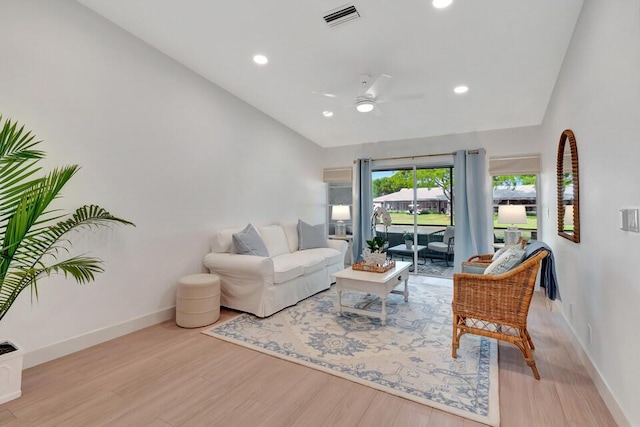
340	213
512	214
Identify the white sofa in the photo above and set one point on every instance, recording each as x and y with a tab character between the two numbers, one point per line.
265	285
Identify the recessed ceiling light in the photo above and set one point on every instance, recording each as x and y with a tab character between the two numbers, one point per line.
441	4
327	113
461	89
364	106
260	59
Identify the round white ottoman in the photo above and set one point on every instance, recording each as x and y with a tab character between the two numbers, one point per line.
198	300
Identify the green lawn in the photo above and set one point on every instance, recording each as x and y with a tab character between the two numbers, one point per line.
403	218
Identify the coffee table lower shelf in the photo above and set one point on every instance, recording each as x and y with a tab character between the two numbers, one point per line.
378	284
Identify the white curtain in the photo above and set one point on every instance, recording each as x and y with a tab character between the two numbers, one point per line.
472	206
363	202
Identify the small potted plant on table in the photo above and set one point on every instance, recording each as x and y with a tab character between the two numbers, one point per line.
408	239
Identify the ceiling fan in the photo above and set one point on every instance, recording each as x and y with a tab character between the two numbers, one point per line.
369	92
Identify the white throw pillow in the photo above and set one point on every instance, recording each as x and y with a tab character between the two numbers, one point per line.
275	239
508	260
499	252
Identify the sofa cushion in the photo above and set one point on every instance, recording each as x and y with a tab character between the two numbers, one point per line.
309	261
286	268
330	255
274	239
505	262
222	241
291	231
311	236
249	242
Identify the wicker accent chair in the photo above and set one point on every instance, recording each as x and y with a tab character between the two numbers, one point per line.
496	306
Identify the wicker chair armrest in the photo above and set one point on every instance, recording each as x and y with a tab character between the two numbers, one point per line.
483	258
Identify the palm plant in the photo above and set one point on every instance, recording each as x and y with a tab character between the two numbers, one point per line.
33	236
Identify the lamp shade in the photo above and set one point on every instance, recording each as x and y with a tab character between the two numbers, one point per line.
340	213
512	214
568	215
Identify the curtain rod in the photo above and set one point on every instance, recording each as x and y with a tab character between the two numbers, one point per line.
421	155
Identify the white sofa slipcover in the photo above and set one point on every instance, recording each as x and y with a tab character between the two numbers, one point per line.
265	285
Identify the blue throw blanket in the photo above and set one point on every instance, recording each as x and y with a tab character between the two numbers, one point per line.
548	279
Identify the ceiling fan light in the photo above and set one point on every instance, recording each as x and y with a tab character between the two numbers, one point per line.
364	106
260	59
461	89
441	4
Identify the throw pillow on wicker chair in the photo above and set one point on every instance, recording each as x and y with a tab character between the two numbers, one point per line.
508	260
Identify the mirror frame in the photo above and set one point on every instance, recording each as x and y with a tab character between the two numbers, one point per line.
567	134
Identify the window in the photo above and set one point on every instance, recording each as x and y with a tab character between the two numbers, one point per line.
340	193
516	190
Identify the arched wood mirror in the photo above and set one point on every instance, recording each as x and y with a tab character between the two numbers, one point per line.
568	187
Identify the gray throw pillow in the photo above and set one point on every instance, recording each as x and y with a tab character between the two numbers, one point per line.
311	236
249	242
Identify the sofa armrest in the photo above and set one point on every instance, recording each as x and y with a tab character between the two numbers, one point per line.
239	265
339	245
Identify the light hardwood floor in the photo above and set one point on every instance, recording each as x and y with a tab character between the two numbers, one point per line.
168	376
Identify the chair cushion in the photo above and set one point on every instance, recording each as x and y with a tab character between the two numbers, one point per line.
438	246
274	239
508	260
473	268
449	232
249	242
311	236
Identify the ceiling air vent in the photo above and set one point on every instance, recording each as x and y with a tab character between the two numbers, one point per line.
341	15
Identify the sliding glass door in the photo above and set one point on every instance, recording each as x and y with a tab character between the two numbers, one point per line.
419	201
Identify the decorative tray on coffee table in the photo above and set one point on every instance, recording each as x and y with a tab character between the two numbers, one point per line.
363	266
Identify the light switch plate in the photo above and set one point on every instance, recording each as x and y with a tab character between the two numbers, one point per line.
632	220
629	220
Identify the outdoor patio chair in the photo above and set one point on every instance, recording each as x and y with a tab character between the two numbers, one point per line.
496	306
441	243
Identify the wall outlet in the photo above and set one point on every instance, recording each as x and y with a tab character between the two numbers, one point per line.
589	334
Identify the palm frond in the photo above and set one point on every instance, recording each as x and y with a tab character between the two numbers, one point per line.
16	145
32	241
81	268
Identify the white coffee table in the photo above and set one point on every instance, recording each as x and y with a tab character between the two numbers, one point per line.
378	284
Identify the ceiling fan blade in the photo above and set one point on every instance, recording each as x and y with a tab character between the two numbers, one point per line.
378	85
377	111
396	98
326	94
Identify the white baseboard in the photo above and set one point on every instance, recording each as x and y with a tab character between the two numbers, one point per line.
603	388
92	338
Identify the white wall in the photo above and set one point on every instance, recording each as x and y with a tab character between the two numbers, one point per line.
158	145
597	95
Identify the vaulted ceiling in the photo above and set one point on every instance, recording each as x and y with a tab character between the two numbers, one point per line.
507	52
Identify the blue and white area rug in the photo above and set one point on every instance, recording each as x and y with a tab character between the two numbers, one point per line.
409	357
